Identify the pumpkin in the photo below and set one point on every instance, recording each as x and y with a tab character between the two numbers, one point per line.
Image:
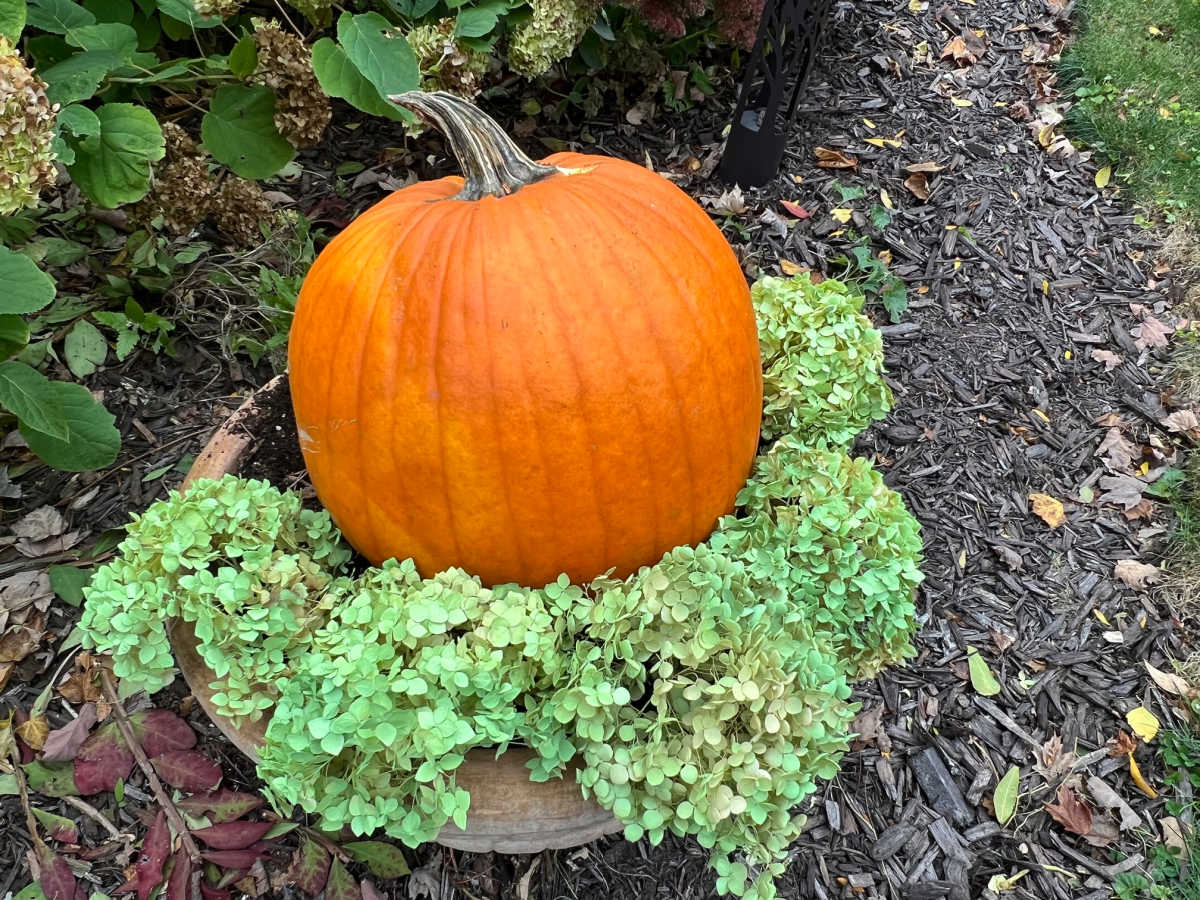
540	368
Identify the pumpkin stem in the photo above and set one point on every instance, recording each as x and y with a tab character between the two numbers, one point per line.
492	164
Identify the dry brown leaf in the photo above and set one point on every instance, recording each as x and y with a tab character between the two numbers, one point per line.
1118	453
1051	762
918	185
965	48
1111	360
1122	745
1137	575
1173	836
1150	333
1182	420
834	159
1170	682
20	590
33	732
56	544
1048	509
730	203
1070	812
1124	490
792	268
1002	639
1107	798
1103	833
44	522
83	684
924	167
19	642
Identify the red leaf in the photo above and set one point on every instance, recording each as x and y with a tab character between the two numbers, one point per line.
369	891
208	892
310	867
63	743
341	886
233	835
187	770
222	805
795	209
160	730
236	859
155	847
1070	812
57	881
179	884
102	760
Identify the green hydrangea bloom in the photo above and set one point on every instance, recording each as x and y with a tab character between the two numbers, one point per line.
26	132
446	63
549	35
822	361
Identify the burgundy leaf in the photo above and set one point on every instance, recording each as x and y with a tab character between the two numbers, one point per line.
160	730
57	881
208	892
795	209
221	805
233	835
155	847
310	867
63	743
59	827
236	859
341	886
187	770
102	760
20	717
179	882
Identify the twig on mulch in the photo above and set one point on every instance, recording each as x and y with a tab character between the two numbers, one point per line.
143	761
95	815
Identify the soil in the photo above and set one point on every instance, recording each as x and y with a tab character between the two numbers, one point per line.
1027	356
275	454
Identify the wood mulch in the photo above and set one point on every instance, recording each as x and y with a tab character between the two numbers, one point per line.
1026	364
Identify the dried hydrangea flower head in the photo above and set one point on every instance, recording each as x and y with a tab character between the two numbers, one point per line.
182	188
26	131
222	8
285	66
445	63
550	35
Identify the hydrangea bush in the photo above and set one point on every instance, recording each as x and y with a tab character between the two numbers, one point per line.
704	695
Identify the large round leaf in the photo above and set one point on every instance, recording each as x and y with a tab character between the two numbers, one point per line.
383	57
58	16
120	39
339	77
78	77
239	130
93	439
26	287
26	393
185	11
12	19
113	167
14	334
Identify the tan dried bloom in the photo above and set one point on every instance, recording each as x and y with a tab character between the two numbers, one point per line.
238	208
26	131
285	65
222	8
445	64
181	190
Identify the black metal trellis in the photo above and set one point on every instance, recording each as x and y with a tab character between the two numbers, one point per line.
789	37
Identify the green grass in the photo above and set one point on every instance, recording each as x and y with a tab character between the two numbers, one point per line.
1135	72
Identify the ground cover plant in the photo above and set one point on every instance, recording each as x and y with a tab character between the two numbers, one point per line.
1135	70
705	694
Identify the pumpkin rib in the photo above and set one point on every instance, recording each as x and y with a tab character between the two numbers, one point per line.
529	229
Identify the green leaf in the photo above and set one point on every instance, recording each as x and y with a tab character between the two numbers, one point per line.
478	20
384	58
1004	797
26	287
339	77
84	349
12	19
120	39
52	779
68	582
982	678
185	12
57	251
341	884
14	334
383	859
58	16
28	395
78	77
111	10
93	441
239	131
31	891
243	58
113	167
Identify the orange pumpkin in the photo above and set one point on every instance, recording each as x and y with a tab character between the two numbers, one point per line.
544	368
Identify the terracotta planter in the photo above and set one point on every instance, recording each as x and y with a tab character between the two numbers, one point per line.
509	813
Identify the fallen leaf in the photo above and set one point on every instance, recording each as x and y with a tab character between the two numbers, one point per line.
918	185
841	215
868	728
998	884
960	49
792	268
1051	762
56	879
57	544
1136	575
369	891
1118	453
1123	490
179	885
730	203
1107	798
1170	682
60	828
1004	797
1102	176
1103	833
1111	360
156	846
33	731
341	885
44	522
17	643
383	859
310	866
1173	836
1142	784
982	679
834	159
232	835
63	743
23	589
794	209
1048	509
1070	812
236	859
222	805
426	880
1150	333
922	167
1122	745
1182	420
1143	722
187	770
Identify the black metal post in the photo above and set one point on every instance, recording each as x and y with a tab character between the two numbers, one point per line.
789	37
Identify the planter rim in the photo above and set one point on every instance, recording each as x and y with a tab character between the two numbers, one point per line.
508	813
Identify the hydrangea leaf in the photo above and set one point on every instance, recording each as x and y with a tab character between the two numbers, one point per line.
113	167
239	131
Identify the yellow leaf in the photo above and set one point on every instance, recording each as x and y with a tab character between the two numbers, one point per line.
1103	176
1001	883
1041	415
841	214
916	6
1102	617
876	141
1143	722
34	731
1048	509
961	101
791	268
1045	287
1142	784
1164	113
868	123
885	199
1155	30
